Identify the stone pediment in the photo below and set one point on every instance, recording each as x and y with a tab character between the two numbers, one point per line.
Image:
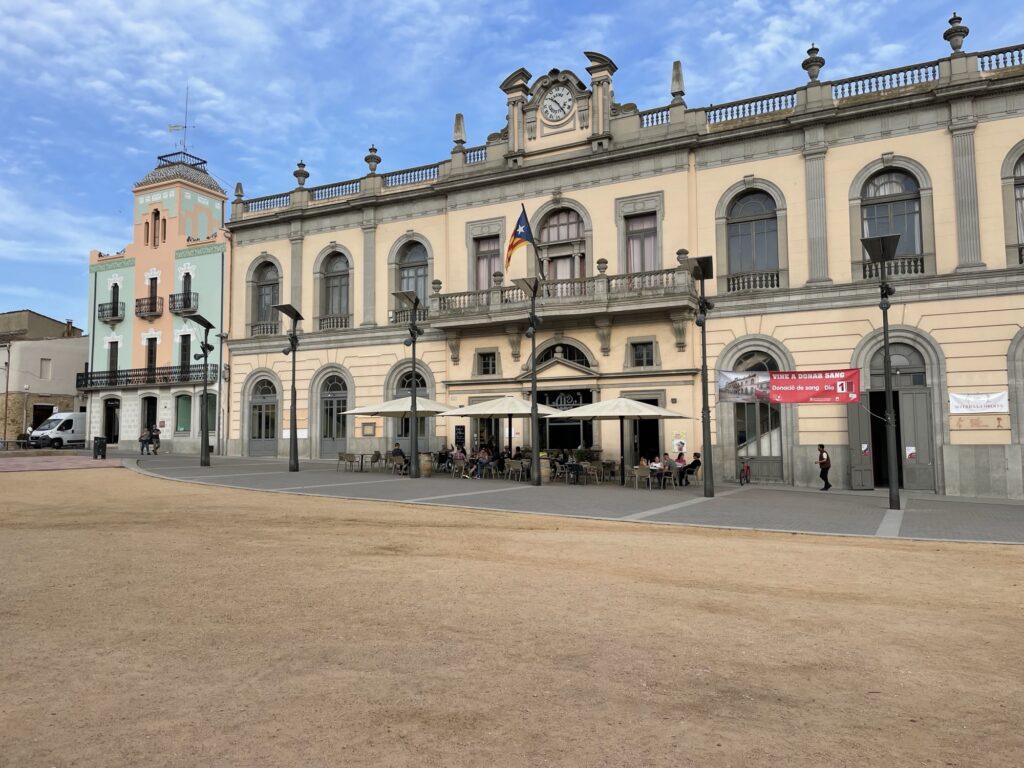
559	369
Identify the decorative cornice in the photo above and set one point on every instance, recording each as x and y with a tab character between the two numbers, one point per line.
116	264
199	250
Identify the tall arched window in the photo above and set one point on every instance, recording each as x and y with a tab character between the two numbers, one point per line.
333	422
263	419
758	424
753	243
404	389
266	295
891	205
1018	204
412	270
563	245
567	352
335	300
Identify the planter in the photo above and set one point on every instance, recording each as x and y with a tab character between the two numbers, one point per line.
426	465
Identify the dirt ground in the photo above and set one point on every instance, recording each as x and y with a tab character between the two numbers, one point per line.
151	623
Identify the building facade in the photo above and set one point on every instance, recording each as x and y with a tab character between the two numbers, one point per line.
779	189
143	302
42	357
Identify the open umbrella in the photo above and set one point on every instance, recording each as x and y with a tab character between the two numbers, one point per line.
623	409
507	407
399	408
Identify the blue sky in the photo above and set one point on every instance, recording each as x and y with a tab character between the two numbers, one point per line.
90	87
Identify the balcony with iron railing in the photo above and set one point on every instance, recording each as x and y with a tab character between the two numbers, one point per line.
333	322
264	328
111	311
149	306
184	303
141	377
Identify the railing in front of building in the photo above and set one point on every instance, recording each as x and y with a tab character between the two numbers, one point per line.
903	266
333	322
140	377
752	281
338	189
416	175
403	316
476	155
886	82
1001	58
264	328
184	303
149	306
652	117
111	311
759	106
570	291
268	203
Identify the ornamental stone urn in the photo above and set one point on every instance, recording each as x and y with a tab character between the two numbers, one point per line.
813	63
956	33
372	160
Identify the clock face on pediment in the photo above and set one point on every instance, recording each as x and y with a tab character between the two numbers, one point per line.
557	104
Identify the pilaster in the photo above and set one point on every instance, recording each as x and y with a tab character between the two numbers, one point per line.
814	177
369	227
965	185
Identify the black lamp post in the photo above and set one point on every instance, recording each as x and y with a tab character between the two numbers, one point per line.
204	355
882	250
530	286
412	300
704	269
293	344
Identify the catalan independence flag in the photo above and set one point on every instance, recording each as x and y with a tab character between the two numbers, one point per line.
521	236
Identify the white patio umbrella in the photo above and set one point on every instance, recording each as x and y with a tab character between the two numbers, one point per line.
507	407
400	407
623	409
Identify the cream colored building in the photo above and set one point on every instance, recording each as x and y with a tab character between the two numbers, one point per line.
779	189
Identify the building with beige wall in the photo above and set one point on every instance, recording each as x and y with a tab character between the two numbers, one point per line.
779	189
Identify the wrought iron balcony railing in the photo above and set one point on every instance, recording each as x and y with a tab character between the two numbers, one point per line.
264	328
333	322
140	377
111	312
149	306
184	303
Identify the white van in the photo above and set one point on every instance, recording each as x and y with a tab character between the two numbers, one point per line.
61	429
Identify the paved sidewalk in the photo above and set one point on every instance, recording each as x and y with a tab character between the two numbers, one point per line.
770	508
28	462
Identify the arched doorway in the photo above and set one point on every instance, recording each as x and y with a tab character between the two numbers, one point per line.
403	428
112	420
149	411
263	419
758	425
333	424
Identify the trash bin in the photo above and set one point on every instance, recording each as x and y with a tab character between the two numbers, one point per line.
99	447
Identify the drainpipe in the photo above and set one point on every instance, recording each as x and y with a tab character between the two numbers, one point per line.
7	388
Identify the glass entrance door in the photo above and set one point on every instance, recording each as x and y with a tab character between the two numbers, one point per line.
333	403
263	420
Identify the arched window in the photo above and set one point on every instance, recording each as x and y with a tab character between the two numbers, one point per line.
567	352
156	228
115	295
264	388
335	300
404	389
266	295
753	244
186	283
758	424
891	205
412	270
908	367
562	244
333	422
1018	203
263	419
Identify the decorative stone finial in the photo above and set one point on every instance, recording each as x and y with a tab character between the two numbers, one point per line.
372	160
813	63
602	265
239	192
497	279
300	173
459	131
682	255
436	285
678	90
956	33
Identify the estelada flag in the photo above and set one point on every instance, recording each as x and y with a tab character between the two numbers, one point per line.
520	236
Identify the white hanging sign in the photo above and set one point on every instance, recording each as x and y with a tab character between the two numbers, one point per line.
979	402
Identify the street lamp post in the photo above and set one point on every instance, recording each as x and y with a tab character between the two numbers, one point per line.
293	344
204	355
704	269
412	300
530	286
882	250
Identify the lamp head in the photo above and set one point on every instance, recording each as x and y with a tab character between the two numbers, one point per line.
408	342
201	321
529	332
286	351
289	311
882	248
701	318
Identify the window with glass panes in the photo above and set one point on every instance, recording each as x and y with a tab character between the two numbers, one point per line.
405	390
753	234
1018	199
268	285
183	413
412	270
891	205
564	230
487	363
336	286
641	242
759	424
488	260
643	354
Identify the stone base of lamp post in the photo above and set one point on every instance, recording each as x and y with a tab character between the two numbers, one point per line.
426	465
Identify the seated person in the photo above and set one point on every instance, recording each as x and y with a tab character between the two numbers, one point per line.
691	468
681	459
399	453
458	454
518	455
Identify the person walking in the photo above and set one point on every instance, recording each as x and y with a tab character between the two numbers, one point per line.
825	462
154	439
144	439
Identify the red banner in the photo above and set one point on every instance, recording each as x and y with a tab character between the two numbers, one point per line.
841	386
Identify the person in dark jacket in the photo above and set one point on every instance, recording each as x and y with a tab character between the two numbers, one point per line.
825	463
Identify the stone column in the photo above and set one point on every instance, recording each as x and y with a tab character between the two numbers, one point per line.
814	179
369	227
965	186
295	238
